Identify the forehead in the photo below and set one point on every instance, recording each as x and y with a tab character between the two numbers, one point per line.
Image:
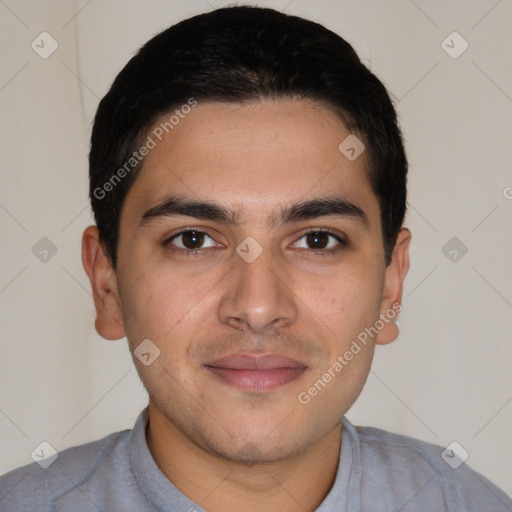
255	156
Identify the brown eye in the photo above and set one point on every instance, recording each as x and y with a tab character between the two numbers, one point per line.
321	242
191	240
317	240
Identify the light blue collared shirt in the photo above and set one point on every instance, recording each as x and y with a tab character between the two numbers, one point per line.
377	472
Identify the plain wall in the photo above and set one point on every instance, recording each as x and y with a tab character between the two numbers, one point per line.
447	378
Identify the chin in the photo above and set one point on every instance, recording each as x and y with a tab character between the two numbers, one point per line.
262	444
252	453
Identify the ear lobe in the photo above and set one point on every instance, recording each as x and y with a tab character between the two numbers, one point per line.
393	287
387	334
98	267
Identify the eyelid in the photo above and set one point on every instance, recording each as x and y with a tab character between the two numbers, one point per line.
342	239
169	238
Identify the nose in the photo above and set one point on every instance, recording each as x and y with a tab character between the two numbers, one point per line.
257	296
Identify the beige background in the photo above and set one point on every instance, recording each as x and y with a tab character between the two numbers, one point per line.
447	378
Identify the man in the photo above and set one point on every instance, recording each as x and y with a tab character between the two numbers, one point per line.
248	181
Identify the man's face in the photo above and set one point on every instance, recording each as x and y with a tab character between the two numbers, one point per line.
242	333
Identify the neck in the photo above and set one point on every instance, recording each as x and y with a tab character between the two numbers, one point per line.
296	484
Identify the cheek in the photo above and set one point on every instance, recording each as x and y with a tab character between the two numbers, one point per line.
346	301
157	301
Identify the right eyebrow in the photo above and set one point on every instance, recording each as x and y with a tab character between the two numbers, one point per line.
174	205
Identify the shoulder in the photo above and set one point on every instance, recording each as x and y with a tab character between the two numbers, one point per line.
30	486
413	474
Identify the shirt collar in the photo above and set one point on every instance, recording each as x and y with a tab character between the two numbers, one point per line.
159	490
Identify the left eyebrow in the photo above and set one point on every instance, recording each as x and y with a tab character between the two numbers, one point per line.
304	210
325	206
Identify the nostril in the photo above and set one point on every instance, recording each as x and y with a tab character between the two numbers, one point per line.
236	323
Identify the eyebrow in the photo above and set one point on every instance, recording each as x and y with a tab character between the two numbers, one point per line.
304	210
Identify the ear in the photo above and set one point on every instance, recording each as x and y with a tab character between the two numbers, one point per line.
98	267
393	287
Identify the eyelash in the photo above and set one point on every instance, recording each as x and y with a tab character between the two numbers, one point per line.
342	244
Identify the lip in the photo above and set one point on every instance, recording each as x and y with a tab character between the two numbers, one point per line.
256	373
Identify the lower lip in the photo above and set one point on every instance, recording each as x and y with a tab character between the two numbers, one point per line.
256	380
